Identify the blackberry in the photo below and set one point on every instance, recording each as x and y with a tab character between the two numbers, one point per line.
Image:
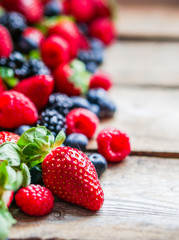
15	60
15	22
61	103
31	68
52	120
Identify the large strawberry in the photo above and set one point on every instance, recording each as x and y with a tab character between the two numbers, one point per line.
71	79
67	172
37	89
31	9
69	31
6	45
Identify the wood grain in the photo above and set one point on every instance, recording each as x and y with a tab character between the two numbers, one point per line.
148	115
149	20
143	64
141	202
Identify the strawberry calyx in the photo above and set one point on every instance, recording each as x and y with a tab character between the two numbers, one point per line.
7	74
80	77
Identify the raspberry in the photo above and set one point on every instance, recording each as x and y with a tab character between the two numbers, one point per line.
113	144
16	110
100	80
35	200
6	44
83	121
55	50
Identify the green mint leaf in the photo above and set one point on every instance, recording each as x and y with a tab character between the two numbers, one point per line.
6	221
26	175
60	138
11	152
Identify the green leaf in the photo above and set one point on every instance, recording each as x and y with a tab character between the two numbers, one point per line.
78	65
6	221
81	80
11	82
11	152
60	138
3	174
39	132
31	149
6	72
26	175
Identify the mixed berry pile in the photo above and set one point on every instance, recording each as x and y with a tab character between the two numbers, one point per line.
52	98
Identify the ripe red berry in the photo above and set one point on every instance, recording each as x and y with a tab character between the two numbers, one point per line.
71	176
55	50
35	200
103	28
16	110
83	11
100	80
69	31
37	89
83	121
102	8
6	45
113	144
31	9
8	137
2	87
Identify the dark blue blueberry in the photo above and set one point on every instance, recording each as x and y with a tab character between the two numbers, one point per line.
107	108
91	67
94	95
53	8
17	58
76	140
80	102
36	175
83	27
99	96
95	109
91	56
96	44
20	130
99	162
26	44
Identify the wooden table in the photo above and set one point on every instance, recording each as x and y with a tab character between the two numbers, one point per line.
141	193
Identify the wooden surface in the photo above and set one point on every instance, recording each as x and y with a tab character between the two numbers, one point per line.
146	20
141	193
140	203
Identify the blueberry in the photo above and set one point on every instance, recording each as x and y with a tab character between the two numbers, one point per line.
99	162
36	175
91	67
83	27
80	102
27	44
91	56
107	108
76	140
99	96
94	95
20	130
95	109
96	44
17	58
53	8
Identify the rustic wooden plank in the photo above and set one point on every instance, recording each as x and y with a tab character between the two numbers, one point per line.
143	63
148	20
149	115
141	202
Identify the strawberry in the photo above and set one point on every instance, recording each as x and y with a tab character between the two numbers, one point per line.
16	110
71	176
8	137
37	89
6	45
55	50
31	9
83	11
102	8
103	28
69	31
2	87
71	79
